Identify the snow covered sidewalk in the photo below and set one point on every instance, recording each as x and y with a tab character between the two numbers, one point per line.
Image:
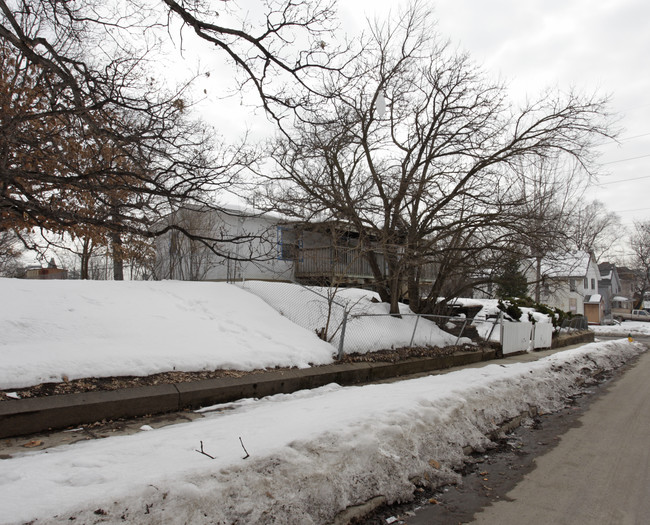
312	453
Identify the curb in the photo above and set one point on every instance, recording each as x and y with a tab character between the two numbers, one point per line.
33	415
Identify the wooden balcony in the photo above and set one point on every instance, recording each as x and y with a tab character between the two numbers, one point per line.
329	263
342	264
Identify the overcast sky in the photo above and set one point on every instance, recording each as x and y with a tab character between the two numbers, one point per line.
601	45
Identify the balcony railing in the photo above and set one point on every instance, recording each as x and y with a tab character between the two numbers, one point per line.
342	262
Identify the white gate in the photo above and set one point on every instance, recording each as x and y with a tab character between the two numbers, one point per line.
515	337
542	335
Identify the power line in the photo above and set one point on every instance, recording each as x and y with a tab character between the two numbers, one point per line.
628	211
624	180
625	160
610	141
625	139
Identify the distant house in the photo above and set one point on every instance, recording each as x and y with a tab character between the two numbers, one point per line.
609	284
51	272
569	282
616	296
250	245
629	285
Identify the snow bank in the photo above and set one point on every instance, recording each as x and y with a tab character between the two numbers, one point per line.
369	326
312	453
76	329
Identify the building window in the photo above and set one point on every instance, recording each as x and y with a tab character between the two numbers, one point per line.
593	284
586	283
572	285
289	244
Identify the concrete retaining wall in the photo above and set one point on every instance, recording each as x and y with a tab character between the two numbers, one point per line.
586	336
29	416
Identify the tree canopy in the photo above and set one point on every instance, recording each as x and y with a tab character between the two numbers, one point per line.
93	144
422	154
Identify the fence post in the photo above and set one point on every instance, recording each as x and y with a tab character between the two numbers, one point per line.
417	319
462	329
493	327
342	340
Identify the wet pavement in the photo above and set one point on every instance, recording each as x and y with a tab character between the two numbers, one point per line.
488	478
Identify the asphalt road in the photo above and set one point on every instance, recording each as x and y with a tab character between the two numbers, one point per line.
588	463
599	473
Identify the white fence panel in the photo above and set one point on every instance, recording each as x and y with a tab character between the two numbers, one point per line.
515	337
543	334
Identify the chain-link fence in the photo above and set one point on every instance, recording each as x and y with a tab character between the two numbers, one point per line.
575	324
354	321
363	332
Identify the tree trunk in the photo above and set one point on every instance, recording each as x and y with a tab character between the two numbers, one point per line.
378	276
413	285
118	257
395	280
538	279
86	253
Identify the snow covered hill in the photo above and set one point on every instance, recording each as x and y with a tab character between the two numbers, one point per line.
51	330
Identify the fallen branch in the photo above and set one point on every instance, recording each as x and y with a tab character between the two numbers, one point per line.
242	446
204	453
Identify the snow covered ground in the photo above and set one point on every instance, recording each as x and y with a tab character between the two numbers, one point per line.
369	325
312	453
635	328
51	330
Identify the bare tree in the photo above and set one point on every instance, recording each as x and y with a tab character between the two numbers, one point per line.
430	181
595	229
551	191
640	243
76	83
9	253
282	58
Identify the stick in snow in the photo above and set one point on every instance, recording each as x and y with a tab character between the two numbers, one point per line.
242	446
204	453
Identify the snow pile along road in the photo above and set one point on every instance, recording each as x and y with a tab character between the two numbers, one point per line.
312	454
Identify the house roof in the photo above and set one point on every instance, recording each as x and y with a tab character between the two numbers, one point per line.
593	299
567	265
607	270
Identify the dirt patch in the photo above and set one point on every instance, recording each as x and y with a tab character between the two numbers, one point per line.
396	355
94	384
